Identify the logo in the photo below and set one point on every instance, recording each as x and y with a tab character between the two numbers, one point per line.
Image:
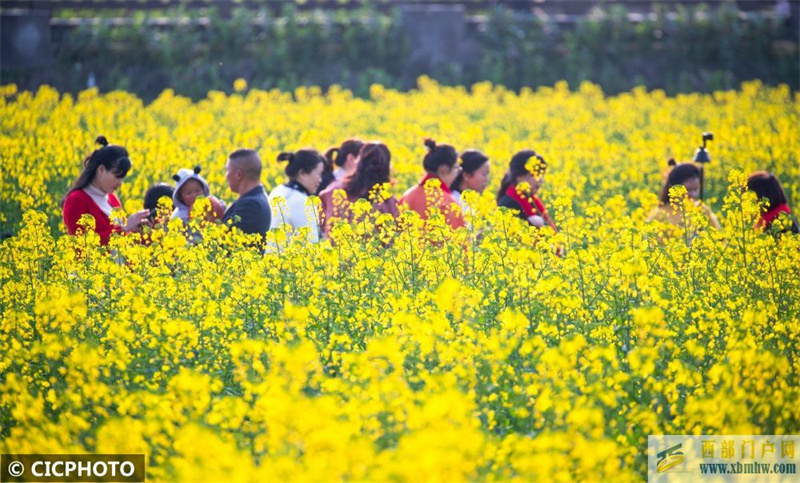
80	468
16	469
669	458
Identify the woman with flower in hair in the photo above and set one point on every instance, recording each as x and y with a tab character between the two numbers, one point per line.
93	193
520	186
442	168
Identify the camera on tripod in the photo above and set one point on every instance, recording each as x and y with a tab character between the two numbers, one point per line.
702	157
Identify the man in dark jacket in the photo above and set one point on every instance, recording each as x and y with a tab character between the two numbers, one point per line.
251	212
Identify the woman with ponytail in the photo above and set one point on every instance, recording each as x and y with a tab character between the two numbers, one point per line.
372	170
304	169
93	193
687	175
340	162
474	174
520	186
441	165
778	217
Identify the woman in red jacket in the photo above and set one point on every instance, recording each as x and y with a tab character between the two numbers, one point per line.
93	192
767	187
526	168
441	164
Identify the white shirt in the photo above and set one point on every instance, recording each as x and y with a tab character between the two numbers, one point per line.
339	173
457	196
99	197
294	211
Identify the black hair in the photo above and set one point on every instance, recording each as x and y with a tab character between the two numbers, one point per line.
251	170
304	160
518	167
766	185
438	155
112	157
374	168
155	193
680	173
338	156
471	161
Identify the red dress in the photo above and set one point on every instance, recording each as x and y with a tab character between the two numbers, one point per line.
79	203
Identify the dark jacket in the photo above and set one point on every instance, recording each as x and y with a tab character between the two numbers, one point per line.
507	202
251	212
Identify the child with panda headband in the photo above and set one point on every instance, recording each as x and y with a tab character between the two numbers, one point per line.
188	186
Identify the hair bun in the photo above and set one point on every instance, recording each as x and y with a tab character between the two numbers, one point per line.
101	140
197	169
286	156
430	144
671	162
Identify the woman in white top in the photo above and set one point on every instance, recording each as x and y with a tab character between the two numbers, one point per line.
474	174
304	169
344	159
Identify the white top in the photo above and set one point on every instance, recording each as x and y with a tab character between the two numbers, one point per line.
457	196
294	212
536	221
99	197
339	173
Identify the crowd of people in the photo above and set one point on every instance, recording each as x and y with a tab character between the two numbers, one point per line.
355	170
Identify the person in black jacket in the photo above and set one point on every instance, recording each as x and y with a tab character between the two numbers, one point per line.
250	213
519	188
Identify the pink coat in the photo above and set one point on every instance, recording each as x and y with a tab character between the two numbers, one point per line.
329	210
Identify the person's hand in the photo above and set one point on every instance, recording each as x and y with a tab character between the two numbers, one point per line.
217	209
135	220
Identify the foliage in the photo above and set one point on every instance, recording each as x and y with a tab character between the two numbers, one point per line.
690	50
397	351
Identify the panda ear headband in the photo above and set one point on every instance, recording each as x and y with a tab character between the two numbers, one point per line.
196	170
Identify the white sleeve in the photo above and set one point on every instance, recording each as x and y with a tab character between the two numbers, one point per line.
294	214
536	221
279	216
299	217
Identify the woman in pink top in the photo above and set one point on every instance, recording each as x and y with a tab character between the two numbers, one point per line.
93	192
373	169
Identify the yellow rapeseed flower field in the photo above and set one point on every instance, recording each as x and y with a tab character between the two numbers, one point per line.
393	351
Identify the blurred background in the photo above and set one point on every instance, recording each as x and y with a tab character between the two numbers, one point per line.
193	46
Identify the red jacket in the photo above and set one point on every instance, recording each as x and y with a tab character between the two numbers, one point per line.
78	203
416	199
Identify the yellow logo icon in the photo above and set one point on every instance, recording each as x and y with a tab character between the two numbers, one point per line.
669	458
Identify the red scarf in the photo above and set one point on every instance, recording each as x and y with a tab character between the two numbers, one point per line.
768	217
526	206
428	176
